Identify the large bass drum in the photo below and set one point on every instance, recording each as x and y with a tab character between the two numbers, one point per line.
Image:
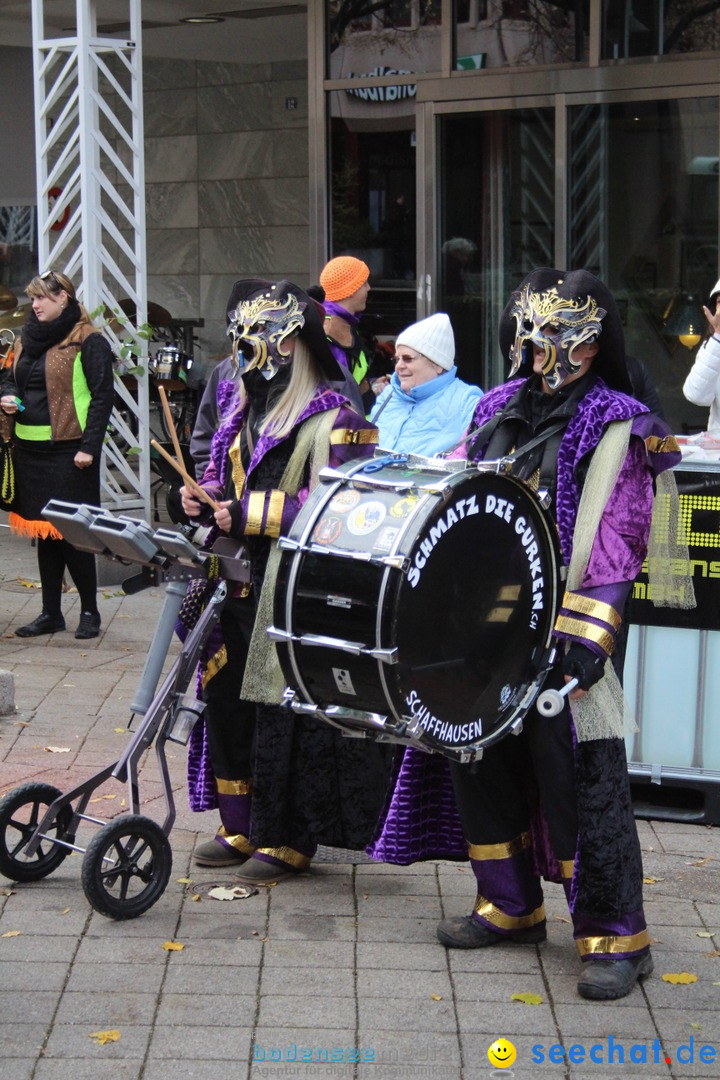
415	603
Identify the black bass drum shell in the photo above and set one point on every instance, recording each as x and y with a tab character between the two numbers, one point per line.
455	576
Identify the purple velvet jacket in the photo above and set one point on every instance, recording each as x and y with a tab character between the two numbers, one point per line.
348	421
409	830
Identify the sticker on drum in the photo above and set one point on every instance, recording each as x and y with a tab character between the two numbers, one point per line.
386	539
343	680
404	506
367	518
344	501
327	530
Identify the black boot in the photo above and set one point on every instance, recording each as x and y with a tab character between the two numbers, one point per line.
605	980
44	624
464	932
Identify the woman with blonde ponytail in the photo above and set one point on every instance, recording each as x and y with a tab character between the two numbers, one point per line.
283	784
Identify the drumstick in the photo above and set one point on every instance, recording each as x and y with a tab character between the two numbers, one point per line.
171	426
197	491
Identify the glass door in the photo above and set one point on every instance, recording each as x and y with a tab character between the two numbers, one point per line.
496	209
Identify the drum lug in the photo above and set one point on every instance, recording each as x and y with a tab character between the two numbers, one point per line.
396	562
545	499
286	544
385	656
517	726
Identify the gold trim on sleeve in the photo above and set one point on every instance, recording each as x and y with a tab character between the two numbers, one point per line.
592	946
578	629
667	445
596	609
481	852
498	918
255	512
353	436
273	522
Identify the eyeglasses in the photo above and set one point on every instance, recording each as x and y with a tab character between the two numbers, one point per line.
50	274
405	359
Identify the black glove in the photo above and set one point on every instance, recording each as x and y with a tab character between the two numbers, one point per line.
584	665
237	517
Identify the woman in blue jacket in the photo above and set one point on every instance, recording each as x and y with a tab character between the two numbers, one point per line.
426	408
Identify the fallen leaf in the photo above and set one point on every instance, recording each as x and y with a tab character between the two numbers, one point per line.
716	984
22	723
680	977
412	899
7	892
57	749
105	1036
560	918
69	685
120	731
256	933
196	898
713	952
173	946
183	881
238	892
435	997
65	911
705	933
27	584
527	999
12	933
652	880
101	797
702	862
696	1027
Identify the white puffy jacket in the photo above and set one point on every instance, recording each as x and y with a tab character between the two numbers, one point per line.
702	385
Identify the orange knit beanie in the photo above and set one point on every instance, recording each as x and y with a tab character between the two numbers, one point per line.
343	276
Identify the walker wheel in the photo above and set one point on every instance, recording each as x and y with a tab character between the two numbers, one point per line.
126	867
20	813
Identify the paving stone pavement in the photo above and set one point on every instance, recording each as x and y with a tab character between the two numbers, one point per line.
340	964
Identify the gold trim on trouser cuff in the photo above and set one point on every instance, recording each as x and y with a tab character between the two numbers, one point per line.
590	946
214	664
233	787
255	512
352	437
596	609
667	445
237	470
567	867
273	522
238	842
590	631
287	855
494	915
481	852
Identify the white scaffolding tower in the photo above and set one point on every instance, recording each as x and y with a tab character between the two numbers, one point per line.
91	212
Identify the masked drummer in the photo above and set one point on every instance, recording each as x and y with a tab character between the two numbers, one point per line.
283	784
556	799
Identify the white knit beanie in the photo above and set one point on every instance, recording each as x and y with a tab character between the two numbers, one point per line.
715	290
432	337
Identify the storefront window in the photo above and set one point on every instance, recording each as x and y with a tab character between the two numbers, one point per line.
519	33
368	38
496	224
643	215
372	166
647	28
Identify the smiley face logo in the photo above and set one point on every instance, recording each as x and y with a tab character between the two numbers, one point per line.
501	1054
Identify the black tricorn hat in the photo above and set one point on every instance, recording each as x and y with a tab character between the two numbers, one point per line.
312	331
609	362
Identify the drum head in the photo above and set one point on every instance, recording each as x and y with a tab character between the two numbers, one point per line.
476	611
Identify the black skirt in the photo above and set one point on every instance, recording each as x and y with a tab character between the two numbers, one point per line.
47	470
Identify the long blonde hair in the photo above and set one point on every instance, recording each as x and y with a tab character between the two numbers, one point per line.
306	376
50	284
